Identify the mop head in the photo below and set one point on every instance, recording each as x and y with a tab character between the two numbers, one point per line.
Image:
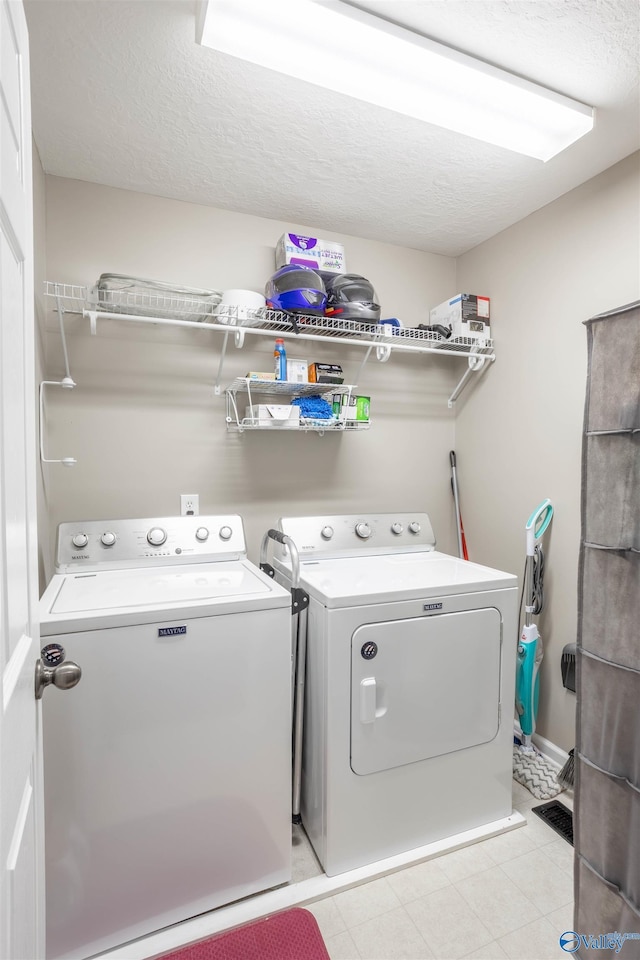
535	773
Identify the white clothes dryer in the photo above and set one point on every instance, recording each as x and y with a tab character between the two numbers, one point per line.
168	767
409	687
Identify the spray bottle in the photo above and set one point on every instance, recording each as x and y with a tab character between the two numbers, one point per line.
280	358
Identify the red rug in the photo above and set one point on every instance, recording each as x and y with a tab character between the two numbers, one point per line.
290	935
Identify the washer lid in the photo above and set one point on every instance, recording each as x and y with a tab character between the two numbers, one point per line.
344	582
86	600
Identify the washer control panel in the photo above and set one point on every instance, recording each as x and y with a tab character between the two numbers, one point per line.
147	542
354	534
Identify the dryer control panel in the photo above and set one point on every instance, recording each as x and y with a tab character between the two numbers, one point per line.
148	542
356	534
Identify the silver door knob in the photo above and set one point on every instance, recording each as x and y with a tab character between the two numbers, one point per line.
64	676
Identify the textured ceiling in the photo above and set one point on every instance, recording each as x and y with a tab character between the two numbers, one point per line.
122	95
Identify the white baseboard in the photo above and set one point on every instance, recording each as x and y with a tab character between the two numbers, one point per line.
553	753
549	750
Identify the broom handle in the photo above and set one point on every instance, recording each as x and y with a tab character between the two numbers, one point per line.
454	485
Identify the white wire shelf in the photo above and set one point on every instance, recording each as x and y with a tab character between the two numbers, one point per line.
253	387
121	305
180	311
287	388
306	425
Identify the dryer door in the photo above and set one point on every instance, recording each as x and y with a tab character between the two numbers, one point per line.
423	687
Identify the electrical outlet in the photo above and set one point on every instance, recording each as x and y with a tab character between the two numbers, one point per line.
189	504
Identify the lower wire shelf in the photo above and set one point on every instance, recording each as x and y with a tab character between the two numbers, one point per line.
304	425
279	389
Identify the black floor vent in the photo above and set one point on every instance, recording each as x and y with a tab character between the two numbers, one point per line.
559	818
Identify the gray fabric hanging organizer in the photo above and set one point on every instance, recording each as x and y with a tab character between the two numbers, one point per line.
607	802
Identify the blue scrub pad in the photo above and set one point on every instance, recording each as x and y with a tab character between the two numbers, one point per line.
315	408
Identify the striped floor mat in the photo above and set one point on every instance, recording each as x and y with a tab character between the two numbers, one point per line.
535	773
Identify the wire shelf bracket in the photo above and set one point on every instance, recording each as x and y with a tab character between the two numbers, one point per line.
475	365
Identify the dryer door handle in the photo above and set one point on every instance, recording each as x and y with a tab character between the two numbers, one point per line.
368	700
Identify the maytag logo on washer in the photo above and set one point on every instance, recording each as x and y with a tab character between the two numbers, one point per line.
171	631
432	606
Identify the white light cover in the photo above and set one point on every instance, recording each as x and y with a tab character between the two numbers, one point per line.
341	48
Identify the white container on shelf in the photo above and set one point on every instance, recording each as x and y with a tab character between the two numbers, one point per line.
240	306
277	415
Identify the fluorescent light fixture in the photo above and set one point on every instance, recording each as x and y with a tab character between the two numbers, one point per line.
334	45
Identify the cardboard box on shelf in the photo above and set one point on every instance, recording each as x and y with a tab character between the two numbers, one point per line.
297	371
350	407
468	315
325	373
277	415
310	252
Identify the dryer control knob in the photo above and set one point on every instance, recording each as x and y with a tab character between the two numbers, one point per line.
79	539
202	534
225	533
396	528
156	536
363	530
414	526
108	538
326	533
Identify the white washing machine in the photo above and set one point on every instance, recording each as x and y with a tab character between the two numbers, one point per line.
168	767
409	688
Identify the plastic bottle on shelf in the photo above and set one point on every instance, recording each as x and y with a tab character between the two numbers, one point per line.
280	358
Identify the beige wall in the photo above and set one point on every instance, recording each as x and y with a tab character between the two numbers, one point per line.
144	423
519	433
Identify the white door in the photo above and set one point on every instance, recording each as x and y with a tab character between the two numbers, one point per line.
21	804
424	687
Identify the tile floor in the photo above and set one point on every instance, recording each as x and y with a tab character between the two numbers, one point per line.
507	897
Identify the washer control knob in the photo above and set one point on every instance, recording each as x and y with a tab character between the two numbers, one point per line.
202	534
326	533
156	536
108	538
225	533
79	539
363	530
414	527
396	528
